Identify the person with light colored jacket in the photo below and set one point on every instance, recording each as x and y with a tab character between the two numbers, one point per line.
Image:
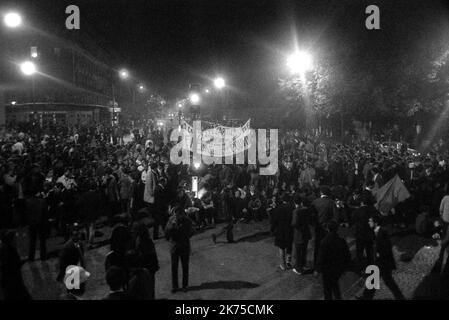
150	186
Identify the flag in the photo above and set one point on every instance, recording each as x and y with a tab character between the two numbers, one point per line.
390	194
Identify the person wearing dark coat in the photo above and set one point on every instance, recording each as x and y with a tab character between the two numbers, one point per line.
37	213
147	259
88	208
334	260
141	281
116	278
227	211
364	235
12	283
72	253
384	259
301	234
120	243
324	210
178	231
281	226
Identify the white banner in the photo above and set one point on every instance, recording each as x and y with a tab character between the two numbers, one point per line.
218	137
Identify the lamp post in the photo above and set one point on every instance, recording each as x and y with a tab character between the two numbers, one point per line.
124	75
28	68
12	20
194	98
220	85
299	62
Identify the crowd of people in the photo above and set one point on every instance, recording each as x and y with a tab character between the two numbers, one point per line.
70	181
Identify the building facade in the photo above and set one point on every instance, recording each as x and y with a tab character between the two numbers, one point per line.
74	82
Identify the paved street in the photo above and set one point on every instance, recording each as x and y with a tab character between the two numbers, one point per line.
247	269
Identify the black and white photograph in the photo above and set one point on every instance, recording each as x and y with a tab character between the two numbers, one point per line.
241	152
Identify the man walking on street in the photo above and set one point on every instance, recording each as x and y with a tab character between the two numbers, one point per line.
36	209
364	235
301	234
179	230
281	226
324	211
384	259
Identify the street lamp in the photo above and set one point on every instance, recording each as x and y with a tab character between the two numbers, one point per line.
300	62
28	68
124	74
141	87
179	105
194	98
12	19
219	83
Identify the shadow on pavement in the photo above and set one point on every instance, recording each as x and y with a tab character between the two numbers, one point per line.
430	287
224	285
435	285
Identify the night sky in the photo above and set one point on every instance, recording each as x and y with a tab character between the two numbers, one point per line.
171	43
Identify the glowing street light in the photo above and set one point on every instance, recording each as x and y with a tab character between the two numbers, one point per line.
194	98
28	68
219	83
141	87
179	105
206	91
197	165
13	103
124	74
300	62
12	19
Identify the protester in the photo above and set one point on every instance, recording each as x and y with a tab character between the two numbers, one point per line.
281	227
334	260
116	279
325	210
72	253
141	281
37	213
384	259
301	223
364	235
12	283
79	288
147	256
179	231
